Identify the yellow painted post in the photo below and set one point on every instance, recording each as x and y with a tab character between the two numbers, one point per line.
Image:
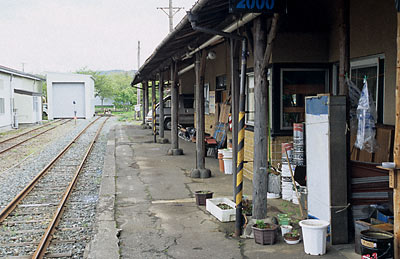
240	148
153	97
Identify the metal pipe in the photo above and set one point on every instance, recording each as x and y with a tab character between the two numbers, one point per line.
186	69
240	158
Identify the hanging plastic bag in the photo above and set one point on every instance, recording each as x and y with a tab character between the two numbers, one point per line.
366	115
354	96
274	183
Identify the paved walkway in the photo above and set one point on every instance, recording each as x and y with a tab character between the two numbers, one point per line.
147	209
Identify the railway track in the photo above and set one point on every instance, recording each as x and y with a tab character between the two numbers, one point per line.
15	141
28	223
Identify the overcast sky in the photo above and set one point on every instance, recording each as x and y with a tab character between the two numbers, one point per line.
66	35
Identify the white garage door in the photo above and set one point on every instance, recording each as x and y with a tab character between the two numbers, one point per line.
64	96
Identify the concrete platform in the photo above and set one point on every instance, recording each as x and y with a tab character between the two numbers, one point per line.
147	207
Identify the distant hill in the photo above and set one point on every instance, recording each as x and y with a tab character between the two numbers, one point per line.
117	71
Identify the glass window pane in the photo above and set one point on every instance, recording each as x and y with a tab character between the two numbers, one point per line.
296	85
358	74
250	99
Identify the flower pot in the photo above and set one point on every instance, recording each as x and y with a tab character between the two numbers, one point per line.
201	197
314	235
265	236
291	240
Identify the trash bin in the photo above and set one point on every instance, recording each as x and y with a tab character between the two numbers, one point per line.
376	243
227	160
221	160
314	236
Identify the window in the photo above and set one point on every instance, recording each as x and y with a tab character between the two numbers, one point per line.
250	97
250	101
220	83
207	98
296	84
2	106
167	103
370	68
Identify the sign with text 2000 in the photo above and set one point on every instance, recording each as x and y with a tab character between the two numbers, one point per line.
256	6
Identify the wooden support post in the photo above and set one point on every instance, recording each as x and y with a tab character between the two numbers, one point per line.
146	98
174	111
260	164
396	191
200	131
144	84
344	45
161	106
153	102
235	92
339	231
262	55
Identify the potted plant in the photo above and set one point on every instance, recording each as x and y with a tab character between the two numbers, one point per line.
293	237
201	197
264	233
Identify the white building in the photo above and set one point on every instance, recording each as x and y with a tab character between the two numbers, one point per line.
20	98
70	93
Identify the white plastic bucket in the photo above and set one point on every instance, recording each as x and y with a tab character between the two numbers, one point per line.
286	170
227	165
286	229
314	236
227	153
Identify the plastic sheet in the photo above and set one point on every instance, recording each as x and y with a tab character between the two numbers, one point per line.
366	115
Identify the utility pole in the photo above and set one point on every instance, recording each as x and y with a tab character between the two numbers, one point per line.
171	13
23	66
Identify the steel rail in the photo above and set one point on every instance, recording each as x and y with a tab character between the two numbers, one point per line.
47	236
29	131
13	204
25	140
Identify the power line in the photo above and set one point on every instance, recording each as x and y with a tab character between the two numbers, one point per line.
171	13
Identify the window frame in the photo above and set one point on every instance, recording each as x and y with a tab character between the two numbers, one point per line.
372	61
247	121
284	69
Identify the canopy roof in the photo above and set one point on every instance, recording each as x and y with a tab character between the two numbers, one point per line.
183	39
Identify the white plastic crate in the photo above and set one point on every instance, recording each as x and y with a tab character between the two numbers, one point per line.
221	215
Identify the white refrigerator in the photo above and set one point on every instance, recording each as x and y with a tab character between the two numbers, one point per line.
327	163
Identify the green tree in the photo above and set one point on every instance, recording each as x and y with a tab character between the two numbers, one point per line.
102	84
124	92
